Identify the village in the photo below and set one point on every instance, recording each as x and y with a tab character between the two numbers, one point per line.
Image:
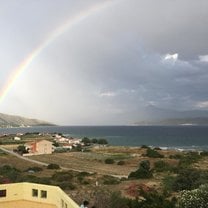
30	144
85	168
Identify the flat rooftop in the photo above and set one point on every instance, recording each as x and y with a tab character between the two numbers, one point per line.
31	195
26	204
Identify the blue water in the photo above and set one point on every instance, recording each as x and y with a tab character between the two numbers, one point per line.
184	137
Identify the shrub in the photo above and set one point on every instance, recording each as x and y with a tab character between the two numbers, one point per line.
94	141
102	141
153	153
144	146
168	183
53	166
117	201
194	198
83	174
161	166
153	199
67	186
188	159
109	161
10	172
143	171
204	153
121	162
188	179
176	156
110	180
62	176
157	148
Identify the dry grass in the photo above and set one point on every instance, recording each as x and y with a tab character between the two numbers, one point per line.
93	161
15	162
89	162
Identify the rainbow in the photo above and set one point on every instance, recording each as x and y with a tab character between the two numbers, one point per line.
72	21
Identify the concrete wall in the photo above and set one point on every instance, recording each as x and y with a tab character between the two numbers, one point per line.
44	147
36	193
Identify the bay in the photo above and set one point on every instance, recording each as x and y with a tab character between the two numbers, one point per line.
172	137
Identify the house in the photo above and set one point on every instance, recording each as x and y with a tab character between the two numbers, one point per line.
67	146
39	147
17	138
21	195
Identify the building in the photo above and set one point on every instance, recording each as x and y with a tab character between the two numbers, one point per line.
17	138
39	147
32	195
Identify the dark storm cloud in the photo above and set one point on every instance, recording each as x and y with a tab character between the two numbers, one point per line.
112	64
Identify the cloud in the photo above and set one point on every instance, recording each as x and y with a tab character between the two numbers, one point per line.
202	104
203	58
107	94
173	57
111	65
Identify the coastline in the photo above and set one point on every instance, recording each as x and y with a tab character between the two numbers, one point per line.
165	137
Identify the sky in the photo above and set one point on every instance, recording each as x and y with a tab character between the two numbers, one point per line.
102	62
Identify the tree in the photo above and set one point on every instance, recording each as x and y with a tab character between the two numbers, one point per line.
102	141
94	141
143	171
86	141
22	149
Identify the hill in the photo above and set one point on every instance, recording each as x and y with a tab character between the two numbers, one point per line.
159	116
18	121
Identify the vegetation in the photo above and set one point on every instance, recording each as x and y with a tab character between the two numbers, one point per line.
162	166
143	171
153	153
53	166
194	198
156	178
21	149
88	141
110	180
121	162
109	161
9	173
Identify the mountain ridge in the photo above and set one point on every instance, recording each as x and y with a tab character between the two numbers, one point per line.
7	121
159	116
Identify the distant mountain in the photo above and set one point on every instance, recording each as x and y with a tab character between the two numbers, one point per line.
18	121
158	116
185	121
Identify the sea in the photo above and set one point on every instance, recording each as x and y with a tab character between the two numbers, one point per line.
165	137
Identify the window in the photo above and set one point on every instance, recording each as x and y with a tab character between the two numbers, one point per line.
43	194
34	192
66	206
3	193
